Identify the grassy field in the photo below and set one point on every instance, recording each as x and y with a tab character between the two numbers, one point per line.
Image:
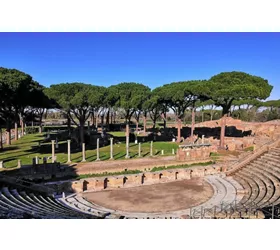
28	147
121	134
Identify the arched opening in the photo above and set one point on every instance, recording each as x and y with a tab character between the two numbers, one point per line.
143	179
160	175
176	175
106	183
191	173
124	180
85	184
205	172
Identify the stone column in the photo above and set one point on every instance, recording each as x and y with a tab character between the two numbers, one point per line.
193	125
127	142
1	164
202	139
19	163
179	126
173	151
69	151
53	151
84	152
111	149
97	150
223	130
162	152
139	149
37	160
25	126
151	149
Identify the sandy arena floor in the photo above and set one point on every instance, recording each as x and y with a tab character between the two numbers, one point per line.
164	197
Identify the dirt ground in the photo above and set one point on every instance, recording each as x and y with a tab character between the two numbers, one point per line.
164	197
121	165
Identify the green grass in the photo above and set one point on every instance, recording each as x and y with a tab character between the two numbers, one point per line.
27	148
251	149
83	176
121	134
155	169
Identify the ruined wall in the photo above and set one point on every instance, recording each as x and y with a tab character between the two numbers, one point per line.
133	180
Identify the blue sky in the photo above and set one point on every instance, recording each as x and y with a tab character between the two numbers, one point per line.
153	59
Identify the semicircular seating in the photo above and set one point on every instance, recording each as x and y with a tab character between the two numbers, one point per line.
19	204
261	180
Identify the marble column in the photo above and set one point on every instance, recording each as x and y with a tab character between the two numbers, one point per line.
127	147
53	151
84	152
139	149
111	149
69	151
151	149
97	150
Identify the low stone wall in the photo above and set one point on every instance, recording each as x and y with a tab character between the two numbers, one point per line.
133	180
201	153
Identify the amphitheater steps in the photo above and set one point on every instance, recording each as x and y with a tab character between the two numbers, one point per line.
254	187
261	185
268	183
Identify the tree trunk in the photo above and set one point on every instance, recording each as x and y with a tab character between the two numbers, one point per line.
163	116
211	115
1	142
137	124
102	120
193	124
108	117
112	117
202	116
127	129
8	136
115	114
145	124
82	135
179	126
69	125
22	127
223	130
16	131
92	119
96	121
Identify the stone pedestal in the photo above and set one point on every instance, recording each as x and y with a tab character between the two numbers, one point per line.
162	152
